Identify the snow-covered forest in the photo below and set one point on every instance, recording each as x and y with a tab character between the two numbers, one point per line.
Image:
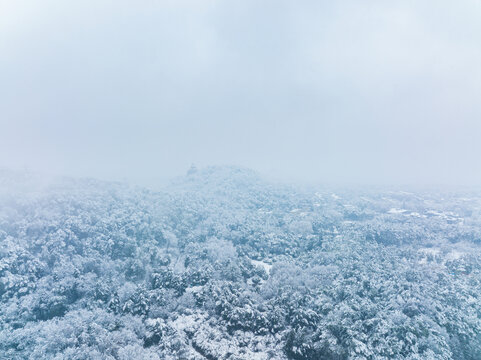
222	264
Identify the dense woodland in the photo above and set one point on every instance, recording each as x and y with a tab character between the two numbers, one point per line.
221	264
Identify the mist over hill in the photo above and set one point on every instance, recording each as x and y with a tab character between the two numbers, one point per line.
221	264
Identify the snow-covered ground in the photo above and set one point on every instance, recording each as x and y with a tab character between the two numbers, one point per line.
267	267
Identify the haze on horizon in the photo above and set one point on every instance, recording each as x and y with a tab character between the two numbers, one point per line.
369	92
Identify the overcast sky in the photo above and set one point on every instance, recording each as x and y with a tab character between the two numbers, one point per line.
382	92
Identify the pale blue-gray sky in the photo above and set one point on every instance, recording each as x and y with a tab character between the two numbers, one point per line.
316	91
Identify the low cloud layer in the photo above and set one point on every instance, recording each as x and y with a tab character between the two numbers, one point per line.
347	91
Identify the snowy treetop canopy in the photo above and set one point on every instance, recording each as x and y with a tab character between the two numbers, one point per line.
221	264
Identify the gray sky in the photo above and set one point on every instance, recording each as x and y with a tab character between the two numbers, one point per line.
317	91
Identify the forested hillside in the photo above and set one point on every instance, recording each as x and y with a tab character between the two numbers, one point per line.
221	264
